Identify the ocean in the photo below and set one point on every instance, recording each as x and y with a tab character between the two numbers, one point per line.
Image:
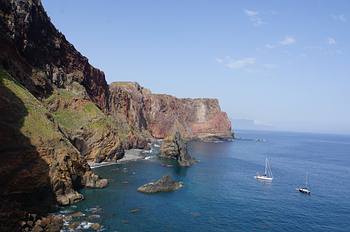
220	192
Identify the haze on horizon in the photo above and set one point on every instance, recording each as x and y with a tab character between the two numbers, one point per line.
283	64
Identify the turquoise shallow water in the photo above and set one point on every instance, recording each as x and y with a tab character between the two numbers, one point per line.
220	193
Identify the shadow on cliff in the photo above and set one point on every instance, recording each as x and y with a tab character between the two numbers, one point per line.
20	69
24	175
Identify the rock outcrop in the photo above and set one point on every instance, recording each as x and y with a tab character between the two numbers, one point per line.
97	136
174	147
127	102
164	184
50	223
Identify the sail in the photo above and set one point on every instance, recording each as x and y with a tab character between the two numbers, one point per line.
267	174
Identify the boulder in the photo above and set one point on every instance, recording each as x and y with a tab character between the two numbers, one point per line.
164	184
51	223
91	180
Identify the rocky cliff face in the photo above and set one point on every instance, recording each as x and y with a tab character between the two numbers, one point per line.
163	115
194	118
49	59
41	59
39	166
40	163
127	102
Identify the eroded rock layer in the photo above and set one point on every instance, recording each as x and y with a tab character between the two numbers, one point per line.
163	115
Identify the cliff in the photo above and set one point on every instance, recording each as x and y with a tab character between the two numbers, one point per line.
162	115
41	165
40	57
195	118
58	113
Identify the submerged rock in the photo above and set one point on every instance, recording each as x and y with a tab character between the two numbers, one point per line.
164	184
73	226
135	210
174	147
96	226
77	214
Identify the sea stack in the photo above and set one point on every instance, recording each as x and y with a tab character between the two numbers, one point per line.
175	147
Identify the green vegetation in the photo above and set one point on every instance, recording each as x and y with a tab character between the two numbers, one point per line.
35	123
70	111
123	84
74	112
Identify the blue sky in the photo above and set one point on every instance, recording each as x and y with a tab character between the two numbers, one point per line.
281	63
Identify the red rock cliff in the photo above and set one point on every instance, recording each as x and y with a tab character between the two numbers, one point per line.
161	114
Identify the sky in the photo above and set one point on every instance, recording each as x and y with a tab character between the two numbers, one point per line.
284	64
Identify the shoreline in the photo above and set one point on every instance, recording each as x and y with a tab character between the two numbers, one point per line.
130	155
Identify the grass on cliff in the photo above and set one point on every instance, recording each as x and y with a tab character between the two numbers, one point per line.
35	124
84	115
123	84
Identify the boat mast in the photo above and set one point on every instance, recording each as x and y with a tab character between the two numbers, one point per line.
270	170
307	179
266	166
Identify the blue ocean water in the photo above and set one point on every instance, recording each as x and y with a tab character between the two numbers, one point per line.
221	194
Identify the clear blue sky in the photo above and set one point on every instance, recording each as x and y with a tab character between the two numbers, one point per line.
281	63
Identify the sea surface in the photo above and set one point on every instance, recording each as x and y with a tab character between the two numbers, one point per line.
221	194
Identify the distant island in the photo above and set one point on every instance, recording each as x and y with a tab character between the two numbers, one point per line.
248	124
58	113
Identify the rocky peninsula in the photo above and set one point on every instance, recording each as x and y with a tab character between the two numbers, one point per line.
58	113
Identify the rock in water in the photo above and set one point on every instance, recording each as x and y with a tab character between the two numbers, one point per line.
91	180
49	223
174	147
164	184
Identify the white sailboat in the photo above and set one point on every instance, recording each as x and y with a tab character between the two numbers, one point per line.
305	189
267	174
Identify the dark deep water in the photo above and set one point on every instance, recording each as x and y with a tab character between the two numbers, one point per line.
220	193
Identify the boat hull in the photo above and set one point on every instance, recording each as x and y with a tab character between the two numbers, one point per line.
266	178
304	191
